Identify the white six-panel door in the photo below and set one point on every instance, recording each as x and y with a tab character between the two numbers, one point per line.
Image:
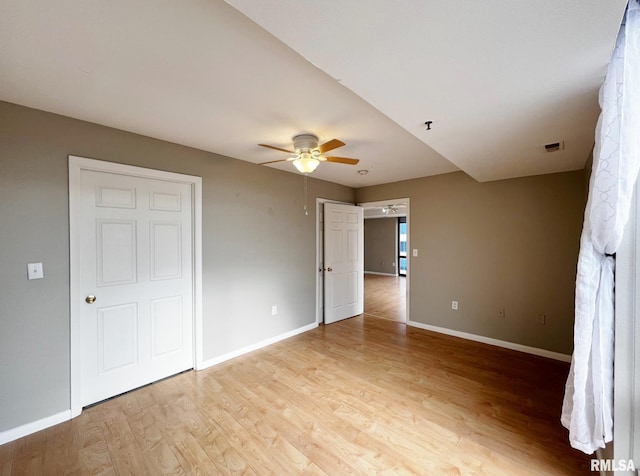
136	260
343	262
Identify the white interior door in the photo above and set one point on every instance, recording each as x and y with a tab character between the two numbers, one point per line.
136	259
343	262
320	263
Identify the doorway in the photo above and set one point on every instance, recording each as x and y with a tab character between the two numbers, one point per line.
379	209
387	283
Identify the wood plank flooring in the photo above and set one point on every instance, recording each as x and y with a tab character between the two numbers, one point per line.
385	296
361	396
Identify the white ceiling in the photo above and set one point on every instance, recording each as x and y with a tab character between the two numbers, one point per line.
498	79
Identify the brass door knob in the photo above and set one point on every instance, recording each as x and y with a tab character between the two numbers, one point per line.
90	299
329	269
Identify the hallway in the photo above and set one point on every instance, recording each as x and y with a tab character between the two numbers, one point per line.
385	297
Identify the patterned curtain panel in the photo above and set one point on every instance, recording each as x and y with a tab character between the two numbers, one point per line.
588	403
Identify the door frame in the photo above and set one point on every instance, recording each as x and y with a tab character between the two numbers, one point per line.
381	203
76	166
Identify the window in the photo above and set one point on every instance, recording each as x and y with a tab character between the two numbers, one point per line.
402	246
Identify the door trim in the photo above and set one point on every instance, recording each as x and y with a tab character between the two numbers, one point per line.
76	166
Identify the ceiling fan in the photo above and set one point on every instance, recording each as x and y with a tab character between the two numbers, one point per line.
390	209
307	154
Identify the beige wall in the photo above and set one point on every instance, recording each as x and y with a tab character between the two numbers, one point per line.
509	244
380	238
258	249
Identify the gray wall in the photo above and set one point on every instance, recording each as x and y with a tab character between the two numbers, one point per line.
380	238
258	249
511	243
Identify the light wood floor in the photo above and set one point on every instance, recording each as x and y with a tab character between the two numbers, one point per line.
385	296
361	396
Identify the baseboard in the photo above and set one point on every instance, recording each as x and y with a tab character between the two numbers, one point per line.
380	274
256	346
33	427
489	340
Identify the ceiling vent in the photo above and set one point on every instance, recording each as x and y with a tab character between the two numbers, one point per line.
554	146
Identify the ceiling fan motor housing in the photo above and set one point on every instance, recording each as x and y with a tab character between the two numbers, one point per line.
305	142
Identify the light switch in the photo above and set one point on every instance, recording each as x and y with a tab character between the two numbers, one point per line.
415	252
35	271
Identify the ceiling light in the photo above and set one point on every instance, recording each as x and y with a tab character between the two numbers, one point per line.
363	172
306	163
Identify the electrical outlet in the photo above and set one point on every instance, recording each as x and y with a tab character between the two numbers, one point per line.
454	305
502	313
274	310
542	319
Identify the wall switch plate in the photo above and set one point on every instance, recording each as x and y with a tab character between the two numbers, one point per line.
502	313
35	271
542	319
274	310
415	252
454	305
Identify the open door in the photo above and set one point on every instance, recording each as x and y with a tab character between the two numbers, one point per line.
343	262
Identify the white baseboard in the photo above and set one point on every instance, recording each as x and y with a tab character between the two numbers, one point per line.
489	340
256	346
380	274
33	427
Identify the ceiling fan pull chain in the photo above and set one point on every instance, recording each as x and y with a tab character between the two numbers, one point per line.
306	212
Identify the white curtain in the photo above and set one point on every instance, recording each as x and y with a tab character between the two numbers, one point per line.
588	402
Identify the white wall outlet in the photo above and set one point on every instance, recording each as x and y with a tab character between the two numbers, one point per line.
35	271
454	305
415	252
542	319
274	310
502	313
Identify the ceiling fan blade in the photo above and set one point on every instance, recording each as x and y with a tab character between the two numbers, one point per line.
342	160
330	145
276	148
274	161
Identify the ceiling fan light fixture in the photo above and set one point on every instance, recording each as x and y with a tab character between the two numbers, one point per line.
306	164
307	153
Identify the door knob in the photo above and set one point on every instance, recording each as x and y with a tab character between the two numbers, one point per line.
329	269
90	299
